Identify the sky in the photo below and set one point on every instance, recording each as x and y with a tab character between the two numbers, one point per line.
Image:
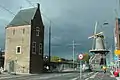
71	20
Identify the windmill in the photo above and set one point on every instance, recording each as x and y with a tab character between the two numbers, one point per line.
98	48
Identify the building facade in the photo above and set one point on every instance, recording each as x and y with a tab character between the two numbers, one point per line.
24	45
117	33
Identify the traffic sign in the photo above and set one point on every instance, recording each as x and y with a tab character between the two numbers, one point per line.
80	56
117	52
116	58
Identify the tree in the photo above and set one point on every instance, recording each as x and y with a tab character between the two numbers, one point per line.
86	57
55	59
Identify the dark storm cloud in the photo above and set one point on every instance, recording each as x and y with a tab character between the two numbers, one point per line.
76	20
71	20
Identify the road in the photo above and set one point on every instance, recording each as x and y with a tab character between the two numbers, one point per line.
62	76
53	76
102	76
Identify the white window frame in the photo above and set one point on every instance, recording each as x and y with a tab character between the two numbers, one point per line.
40	48
23	30
37	31
33	47
17	49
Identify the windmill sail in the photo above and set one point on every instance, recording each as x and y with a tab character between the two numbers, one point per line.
93	44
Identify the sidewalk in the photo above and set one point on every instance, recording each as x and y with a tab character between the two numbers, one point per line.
6	75
35	76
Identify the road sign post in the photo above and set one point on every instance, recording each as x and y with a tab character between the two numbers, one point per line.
80	57
80	70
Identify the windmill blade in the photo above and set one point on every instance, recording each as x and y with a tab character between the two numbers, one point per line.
99	33
94	30
93	36
94	33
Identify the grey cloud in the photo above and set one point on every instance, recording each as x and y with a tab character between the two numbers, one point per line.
72	19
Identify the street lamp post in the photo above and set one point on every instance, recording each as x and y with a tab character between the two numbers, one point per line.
73	53
49	44
105	23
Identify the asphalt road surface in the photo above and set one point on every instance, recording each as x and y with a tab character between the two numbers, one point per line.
62	76
102	76
53	76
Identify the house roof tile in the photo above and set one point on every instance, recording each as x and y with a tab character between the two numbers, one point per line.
23	17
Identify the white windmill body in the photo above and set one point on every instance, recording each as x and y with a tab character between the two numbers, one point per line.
99	50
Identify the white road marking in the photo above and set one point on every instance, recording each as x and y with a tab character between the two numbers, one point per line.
83	75
90	73
75	78
118	78
91	76
87	78
94	75
112	76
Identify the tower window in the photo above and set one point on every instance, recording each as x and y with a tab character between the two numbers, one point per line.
37	31
18	50
13	31
40	49
23	31
34	48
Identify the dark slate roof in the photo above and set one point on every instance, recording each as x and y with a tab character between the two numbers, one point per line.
23	17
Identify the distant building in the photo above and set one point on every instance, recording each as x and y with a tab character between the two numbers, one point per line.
117	34
24	44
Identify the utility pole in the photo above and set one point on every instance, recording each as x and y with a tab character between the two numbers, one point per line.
73	49
49	43
73	52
